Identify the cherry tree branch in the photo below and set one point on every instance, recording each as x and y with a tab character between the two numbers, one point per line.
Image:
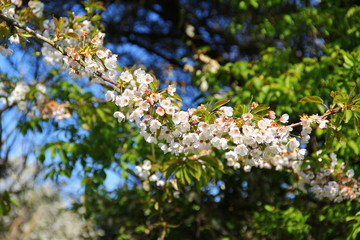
38	36
52	43
263	144
14	23
324	116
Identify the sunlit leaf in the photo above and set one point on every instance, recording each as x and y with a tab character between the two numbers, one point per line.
260	108
218	104
311	99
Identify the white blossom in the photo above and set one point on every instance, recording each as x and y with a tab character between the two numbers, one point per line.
119	115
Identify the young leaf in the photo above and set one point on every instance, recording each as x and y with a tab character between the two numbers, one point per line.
72	35
177	97
61	23
63	156
241	109
210	118
213	162
96	17
355	108
356	99
260	108
314	99
219	104
348	115
56	22
186	175
170	170
195	170
154	85
357	124
339	97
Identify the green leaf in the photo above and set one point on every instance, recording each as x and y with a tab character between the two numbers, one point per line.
269	208
101	114
85	181
314	99
177	97
339	97
348	114
213	162
61	23
322	218
154	85
210	118
63	156
5	5
349	62
357	124
219	104
355	108
54	71
99	5
260	108
180	176
330	136
26	35
241	109
257	117
72	35
355	147
14	201
195	169
170	170
254	3
41	156
85	126
96	18
50	174
53	151
204	115
186	175
356	99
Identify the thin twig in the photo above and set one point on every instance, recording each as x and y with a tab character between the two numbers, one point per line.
54	45
328	113
101	75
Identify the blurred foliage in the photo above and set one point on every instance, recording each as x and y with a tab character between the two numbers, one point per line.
35	205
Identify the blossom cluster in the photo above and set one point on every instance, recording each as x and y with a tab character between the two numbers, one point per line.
36	8
54	110
41	106
83	44
81	60
19	94
306	122
332	182
245	140
144	172
149	177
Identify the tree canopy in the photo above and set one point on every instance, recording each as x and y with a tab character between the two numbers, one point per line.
223	119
